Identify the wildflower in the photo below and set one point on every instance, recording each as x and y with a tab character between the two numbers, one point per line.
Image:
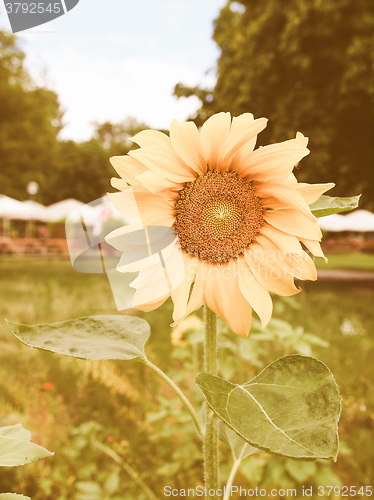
242	219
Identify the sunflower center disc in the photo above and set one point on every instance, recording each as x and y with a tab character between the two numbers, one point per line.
217	216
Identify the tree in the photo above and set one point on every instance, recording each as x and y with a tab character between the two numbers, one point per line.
82	171
30	120
116	137
307	65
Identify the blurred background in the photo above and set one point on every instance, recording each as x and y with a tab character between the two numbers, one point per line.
72	93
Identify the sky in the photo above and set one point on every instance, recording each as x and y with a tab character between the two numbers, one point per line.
123	59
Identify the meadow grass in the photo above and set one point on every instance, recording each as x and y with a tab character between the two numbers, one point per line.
120	398
353	261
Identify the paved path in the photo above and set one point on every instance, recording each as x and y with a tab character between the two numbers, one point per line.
336	275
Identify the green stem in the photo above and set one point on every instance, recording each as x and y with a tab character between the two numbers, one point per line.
232	475
178	392
211	422
125	466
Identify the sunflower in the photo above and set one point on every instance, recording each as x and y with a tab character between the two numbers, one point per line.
243	222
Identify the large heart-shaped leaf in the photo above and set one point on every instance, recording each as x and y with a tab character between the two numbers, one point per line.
290	409
240	449
16	448
91	337
328	205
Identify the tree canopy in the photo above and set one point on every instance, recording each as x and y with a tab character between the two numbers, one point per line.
30	120
308	66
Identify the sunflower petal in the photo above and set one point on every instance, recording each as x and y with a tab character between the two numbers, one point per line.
196	299
286	243
243	129
214	133
269	273
118	237
155	182
181	293
311	192
119	184
149	306
314	247
186	141
293	222
275	161
154	282
158	155
128	168
255	294
151	286
153	209
301	266
282	196
164	162
151	139
224	297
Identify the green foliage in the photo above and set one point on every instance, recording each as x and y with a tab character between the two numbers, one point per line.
270	471
93	337
307	65
126	407
327	205
290	409
96	478
116	137
238	355
356	261
79	170
30	120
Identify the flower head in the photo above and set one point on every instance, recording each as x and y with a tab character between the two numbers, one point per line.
243	221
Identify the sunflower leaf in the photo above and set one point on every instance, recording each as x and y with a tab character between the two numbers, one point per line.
328	205
240	449
290	409
91	337
16	448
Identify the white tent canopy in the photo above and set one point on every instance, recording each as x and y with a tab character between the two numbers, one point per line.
12	209
36	211
333	223
358	220
31	210
92	213
60	210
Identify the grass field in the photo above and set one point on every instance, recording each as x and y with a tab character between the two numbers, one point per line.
70	404
354	261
